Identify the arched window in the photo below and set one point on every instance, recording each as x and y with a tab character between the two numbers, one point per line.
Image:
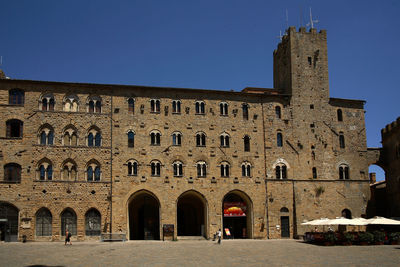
94	137
46	103
281	171
155	168
45	170
70	137
176	139
70	103
155	138
200	139
69	170
14	128
94	104
223	109
132	168
339	115
176	106
68	222
155	106
43	222
93	172
201	169
46	136
344	172
131	139
12	172
246	142
178	168
278	112
346	214
279	140
284	209
224	140
225	169
131	106
245	111
93	223
246	169
314	173
200	107
341	140
16	97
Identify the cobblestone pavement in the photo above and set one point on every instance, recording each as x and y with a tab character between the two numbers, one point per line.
195	253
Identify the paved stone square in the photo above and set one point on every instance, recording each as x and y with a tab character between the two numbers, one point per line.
195	253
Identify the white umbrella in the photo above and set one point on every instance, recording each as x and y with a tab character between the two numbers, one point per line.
340	221
322	221
359	221
383	221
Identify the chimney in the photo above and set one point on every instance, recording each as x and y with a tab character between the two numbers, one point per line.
372	178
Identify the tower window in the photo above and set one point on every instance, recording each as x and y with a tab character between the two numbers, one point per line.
341	140
246	169
314	173
16	97
176	139
131	139
155	106
201	169
131	106
246	141
309	61
278	112
176	106
178	168
155	138
200	139
155	168
339	115
281	170
200	107
223	109
132	168
245	110
224	138
279	140
344	172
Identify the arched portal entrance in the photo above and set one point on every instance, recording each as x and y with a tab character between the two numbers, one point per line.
144	217
191	214
237	220
8	222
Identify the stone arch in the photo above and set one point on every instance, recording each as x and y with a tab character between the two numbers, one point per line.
144	216
192	214
9	214
237	210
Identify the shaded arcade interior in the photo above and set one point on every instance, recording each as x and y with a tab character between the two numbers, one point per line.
237	210
144	217
191	210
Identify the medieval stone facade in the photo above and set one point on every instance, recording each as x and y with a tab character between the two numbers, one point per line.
95	158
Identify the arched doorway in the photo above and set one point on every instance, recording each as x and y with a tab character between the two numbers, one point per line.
144	217
191	214
237	220
8	222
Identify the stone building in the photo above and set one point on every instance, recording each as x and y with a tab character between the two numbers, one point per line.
97	158
390	161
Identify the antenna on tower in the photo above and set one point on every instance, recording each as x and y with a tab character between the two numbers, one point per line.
1	61
287	20
311	23
280	35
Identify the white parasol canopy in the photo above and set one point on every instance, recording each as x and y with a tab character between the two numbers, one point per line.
340	221
383	221
322	221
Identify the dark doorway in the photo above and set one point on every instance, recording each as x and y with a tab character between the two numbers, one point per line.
285	230
8	223
191	219
144	219
237	217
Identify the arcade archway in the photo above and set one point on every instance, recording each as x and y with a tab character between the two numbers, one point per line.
144	217
191	214
8	222
237	215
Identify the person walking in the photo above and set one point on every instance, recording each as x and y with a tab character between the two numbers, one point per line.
219	234
68	237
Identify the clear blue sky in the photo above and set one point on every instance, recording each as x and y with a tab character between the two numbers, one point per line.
206	44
